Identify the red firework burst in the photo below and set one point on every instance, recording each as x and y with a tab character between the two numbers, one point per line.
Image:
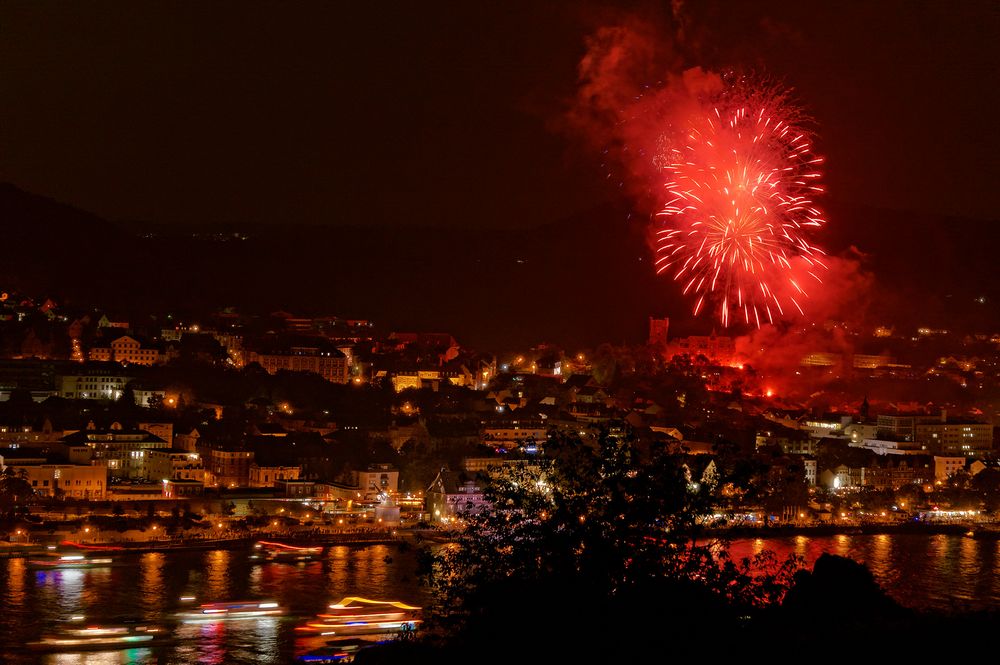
740	183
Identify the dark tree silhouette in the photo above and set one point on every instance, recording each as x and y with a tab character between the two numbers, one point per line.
608	538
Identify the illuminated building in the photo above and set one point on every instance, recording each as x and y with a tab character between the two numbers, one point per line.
295	488
825	425
591	395
820	359
858	432
227	467
899	427
174	488
513	433
377	479
330	491
658	329
948	466
123	451
550	365
127	350
940	434
133	491
104	381
956	437
403	379
25	434
791	442
322	359
476	465
77	481
881	473
268	476
163	430
896	472
453	496
715	348
55	466
187	440
147	395
174	464
882	446
809	467
869	361
106	322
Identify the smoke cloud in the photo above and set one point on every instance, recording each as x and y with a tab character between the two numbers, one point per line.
639	81
838	308
633	88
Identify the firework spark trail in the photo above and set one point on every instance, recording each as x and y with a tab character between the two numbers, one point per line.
740	179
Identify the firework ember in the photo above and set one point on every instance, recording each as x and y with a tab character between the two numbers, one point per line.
740	182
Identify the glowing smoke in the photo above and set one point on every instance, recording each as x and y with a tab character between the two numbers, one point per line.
724	166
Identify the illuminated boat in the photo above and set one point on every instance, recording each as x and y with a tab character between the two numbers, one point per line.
361	616
273	551
90	548
246	609
83	637
57	561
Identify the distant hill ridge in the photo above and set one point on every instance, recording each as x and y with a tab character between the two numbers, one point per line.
576	281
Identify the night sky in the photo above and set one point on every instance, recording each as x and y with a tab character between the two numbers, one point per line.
424	113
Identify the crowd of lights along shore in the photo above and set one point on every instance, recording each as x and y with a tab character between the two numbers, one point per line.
740	179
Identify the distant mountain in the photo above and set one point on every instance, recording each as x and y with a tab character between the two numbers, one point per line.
32	218
576	282
48	245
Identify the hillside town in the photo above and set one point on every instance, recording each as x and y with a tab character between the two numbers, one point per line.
237	415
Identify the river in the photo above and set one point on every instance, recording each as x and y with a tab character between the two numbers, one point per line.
150	586
936	572
944	572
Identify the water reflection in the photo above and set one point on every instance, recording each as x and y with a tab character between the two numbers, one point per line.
152	587
216	574
62	588
801	546
882	546
969	559
17	570
842	544
945	572
920	571
880	560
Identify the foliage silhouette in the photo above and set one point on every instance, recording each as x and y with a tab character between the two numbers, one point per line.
597	539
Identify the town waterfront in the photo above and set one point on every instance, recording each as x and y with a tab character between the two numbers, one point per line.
934	572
